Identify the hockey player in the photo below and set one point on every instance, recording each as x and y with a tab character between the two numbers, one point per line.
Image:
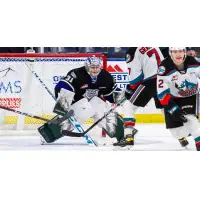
82	90
143	64
177	90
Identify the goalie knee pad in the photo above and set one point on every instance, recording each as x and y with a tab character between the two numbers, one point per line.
50	131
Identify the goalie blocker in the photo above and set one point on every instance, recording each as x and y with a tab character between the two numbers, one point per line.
82	109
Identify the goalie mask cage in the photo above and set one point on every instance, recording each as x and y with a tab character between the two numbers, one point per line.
21	90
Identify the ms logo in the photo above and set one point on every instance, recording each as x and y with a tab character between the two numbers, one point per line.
9	86
5	72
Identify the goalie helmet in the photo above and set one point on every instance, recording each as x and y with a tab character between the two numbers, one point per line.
93	65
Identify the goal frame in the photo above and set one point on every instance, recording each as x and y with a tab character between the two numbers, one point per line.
12	57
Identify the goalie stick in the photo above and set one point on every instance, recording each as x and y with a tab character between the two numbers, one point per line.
65	117
74	134
58	121
24	113
72	120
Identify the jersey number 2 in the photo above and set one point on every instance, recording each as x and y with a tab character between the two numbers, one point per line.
160	84
154	52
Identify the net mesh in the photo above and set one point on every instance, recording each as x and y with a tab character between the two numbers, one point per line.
21	87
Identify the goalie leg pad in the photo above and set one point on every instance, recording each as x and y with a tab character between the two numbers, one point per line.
120	128
50	131
115	129
46	133
63	102
100	108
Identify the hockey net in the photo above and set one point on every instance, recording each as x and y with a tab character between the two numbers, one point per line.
21	90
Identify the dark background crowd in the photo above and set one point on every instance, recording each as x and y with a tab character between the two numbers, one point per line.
110	52
116	52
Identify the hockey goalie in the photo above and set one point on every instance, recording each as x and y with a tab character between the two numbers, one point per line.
88	91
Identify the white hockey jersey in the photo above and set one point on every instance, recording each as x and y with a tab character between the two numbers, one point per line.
173	83
142	63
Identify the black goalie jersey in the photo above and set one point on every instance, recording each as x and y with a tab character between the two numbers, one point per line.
83	85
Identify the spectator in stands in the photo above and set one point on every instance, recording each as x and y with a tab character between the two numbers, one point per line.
12	49
191	51
69	50
119	52
93	49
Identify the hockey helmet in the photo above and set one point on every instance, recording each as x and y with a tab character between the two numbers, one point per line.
176	48
93	62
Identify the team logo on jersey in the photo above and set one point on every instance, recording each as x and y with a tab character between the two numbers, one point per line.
90	93
161	70
175	77
128	58
187	88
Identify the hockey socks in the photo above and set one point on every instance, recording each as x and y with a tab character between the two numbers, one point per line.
129	122
197	141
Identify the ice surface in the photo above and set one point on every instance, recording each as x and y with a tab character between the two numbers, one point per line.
151	137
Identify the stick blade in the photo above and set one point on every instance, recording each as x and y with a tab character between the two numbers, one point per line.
72	134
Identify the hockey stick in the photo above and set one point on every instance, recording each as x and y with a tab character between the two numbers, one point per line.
57	121
24	113
74	134
65	117
73	121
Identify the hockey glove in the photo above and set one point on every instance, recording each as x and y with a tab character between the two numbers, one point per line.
178	115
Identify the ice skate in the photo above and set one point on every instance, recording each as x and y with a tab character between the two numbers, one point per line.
183	142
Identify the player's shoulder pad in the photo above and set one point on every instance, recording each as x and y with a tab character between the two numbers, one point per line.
130	54
165	67
106	73
77	72
72	73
